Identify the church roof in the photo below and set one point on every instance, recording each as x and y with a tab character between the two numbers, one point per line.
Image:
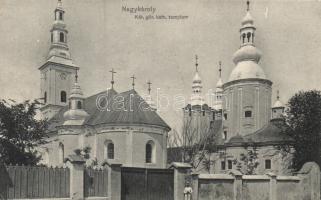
126	108
269	134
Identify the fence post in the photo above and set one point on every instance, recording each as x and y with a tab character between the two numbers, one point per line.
195	186
114	180
237	184
272	186
76	165
180	171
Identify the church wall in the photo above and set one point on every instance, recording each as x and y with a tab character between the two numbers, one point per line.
253	96
279	163
140	140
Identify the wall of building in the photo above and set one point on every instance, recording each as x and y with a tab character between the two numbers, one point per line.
246	95
129	145
279	161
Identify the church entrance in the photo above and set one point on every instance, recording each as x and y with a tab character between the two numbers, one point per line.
147	184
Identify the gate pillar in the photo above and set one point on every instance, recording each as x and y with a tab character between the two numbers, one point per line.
180	172
76	165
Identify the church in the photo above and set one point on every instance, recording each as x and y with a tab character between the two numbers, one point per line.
240	117
111	126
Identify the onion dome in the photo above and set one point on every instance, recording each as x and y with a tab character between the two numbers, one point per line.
278	103
76	115
197	98
247	19
247	57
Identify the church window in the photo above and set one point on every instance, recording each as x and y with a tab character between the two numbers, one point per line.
51	37
149	157
268	164
190	112
213	115
225	116
248	113
61	151
203	112
63	96
60	15
229	164
110	150
243	37
61	37
223	165
79	106
45	97
253	37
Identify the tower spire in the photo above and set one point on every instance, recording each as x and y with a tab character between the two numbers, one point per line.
149	88
76	76
196	63
112	78
220	69
248	5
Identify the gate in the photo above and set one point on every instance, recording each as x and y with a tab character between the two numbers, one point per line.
95	182
147	184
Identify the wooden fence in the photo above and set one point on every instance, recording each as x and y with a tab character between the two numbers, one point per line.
38	182
95	182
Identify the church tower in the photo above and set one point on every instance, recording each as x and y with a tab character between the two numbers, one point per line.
278	108
198	116
218	95
58	71
248	91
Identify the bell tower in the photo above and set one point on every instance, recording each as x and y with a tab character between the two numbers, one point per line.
58	71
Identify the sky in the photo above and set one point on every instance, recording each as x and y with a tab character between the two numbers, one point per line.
103	36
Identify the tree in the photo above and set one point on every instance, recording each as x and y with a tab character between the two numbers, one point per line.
20	132
85	154
192	145
303	125
248	162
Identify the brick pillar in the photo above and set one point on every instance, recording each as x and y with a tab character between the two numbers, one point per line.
310	175
237	184
272	186
180	172
76	165
114	180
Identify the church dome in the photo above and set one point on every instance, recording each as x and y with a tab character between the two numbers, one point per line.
197	78
248	52
75	114
219	83
247	69
278	104
247	19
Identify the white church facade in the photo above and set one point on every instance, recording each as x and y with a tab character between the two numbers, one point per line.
116	127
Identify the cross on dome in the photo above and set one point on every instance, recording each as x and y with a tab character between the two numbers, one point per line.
133	83
112	77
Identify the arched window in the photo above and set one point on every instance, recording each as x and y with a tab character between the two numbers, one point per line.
51	37
61	37
150	155
63	96
248	36
45	97
61	153
110	150
253	37
243	37
79	106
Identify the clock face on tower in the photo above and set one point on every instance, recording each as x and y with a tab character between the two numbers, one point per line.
63	76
